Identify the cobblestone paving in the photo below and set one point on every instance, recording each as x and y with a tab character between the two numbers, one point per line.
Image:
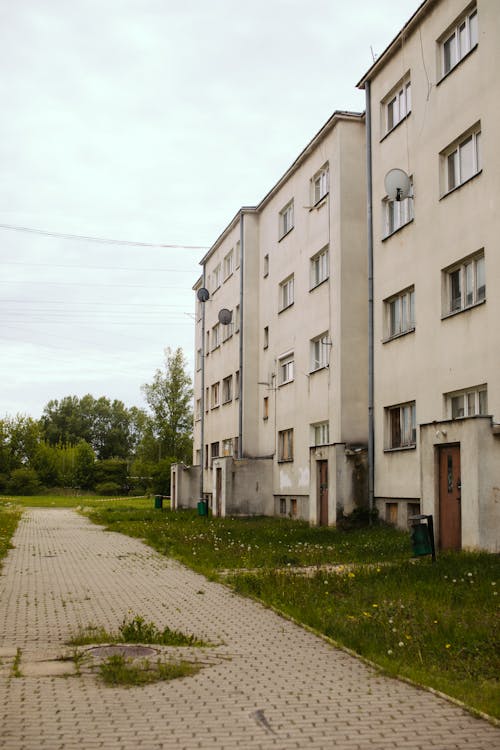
269	684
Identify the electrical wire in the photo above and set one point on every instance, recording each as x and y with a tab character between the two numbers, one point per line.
101	240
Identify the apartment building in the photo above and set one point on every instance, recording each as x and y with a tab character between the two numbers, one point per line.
434	113
281	389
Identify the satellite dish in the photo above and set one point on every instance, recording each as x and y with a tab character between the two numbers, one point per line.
202	294
397	185
225	316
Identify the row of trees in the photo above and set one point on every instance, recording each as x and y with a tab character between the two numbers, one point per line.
99	444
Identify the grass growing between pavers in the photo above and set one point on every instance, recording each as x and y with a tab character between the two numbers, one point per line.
135	630
117	670
9	518
435	624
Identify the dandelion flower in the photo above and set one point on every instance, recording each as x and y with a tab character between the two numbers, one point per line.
401	644
448	645
389	651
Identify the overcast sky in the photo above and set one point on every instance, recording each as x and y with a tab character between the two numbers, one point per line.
150	121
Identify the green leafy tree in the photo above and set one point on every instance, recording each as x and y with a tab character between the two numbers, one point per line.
23	481
169	399
46	464
84	466
19	438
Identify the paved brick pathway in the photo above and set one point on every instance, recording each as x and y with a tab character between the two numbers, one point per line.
269	685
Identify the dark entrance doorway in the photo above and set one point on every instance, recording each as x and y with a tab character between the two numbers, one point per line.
323	492
450	511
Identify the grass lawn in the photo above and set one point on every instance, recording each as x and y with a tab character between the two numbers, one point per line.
72	501
436	624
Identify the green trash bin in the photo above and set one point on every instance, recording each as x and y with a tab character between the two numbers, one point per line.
422	535
159	501
202	508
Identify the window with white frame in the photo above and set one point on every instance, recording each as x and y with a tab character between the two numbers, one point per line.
401	426
216	277
286	219
198	409
285	369
228	264
320	184
285	445
214	450
320	433
215	336
320	352
266	265
319	267
458	41
237	254
286	292
227	447
215	396
227	389
236	318
462	160
397	213
464	284
467	402
400	313
397	105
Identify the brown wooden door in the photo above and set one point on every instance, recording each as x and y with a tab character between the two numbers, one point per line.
450	512
323	492
218	491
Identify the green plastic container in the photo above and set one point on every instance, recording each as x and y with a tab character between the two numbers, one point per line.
159	501
202	508
420	539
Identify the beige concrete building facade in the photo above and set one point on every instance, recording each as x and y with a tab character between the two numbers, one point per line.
281	391
369	340
435	114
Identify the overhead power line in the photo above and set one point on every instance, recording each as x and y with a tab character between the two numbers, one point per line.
101	240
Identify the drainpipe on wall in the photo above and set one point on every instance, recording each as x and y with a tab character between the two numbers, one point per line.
240	405
202	400
369	207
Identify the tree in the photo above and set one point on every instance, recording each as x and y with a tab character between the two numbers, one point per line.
84	466
169	398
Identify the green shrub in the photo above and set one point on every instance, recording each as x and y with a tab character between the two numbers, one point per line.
24	481
108	488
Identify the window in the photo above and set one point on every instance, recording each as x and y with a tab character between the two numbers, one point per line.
228	265
266	265
459	41
397	213
402	428
265	408
198	359
237	384
236	318
207	393
320	185
319	267
286	219
207	348
282	506
467	403
397	105
214	450
320	433
400	313
320	352
206	456
237	254
266	337
462	160
227	330
227	389
227	447
465	284
216	278
285	445
216	336
286	293
215	395
285	369
198	409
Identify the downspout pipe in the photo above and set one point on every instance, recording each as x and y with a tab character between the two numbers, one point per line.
202	399
369	211
242	312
